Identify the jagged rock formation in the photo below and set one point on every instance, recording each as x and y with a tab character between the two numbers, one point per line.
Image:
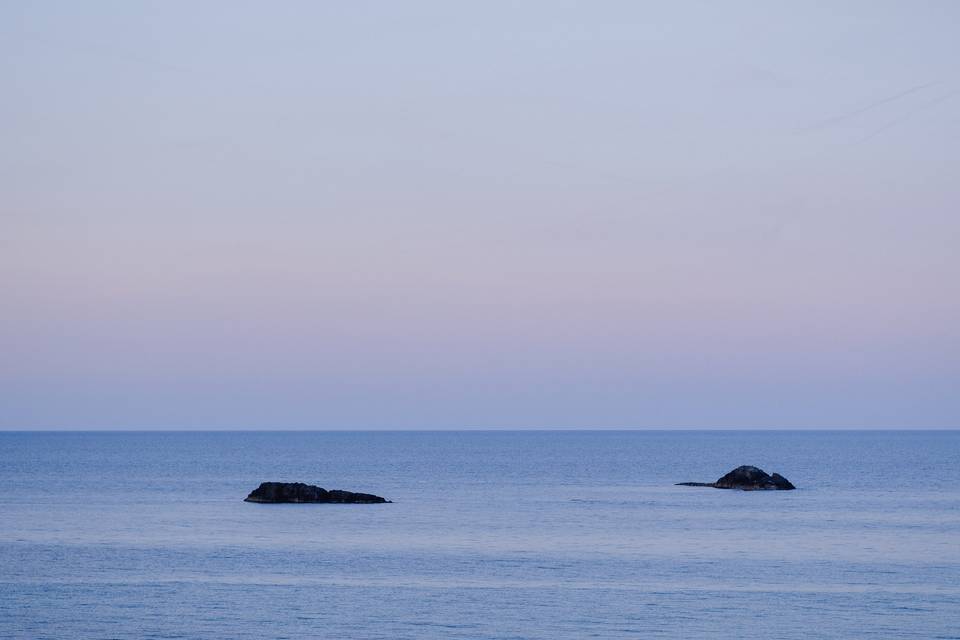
279	492
746	478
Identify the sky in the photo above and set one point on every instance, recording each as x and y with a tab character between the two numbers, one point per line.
445	215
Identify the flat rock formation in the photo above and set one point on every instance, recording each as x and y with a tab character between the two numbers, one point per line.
746	478
279	492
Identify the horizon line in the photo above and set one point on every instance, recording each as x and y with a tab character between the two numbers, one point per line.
465	429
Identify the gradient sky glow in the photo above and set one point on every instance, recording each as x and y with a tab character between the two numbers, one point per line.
495	214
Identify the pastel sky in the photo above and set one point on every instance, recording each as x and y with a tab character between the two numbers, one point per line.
345	215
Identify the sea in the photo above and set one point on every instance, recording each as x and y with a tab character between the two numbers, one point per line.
491	534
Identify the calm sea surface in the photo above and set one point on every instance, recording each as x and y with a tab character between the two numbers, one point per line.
491	535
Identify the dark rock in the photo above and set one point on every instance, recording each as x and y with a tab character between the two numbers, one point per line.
779	482
746	478
275	492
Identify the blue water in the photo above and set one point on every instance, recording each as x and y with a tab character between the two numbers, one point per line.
491	535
